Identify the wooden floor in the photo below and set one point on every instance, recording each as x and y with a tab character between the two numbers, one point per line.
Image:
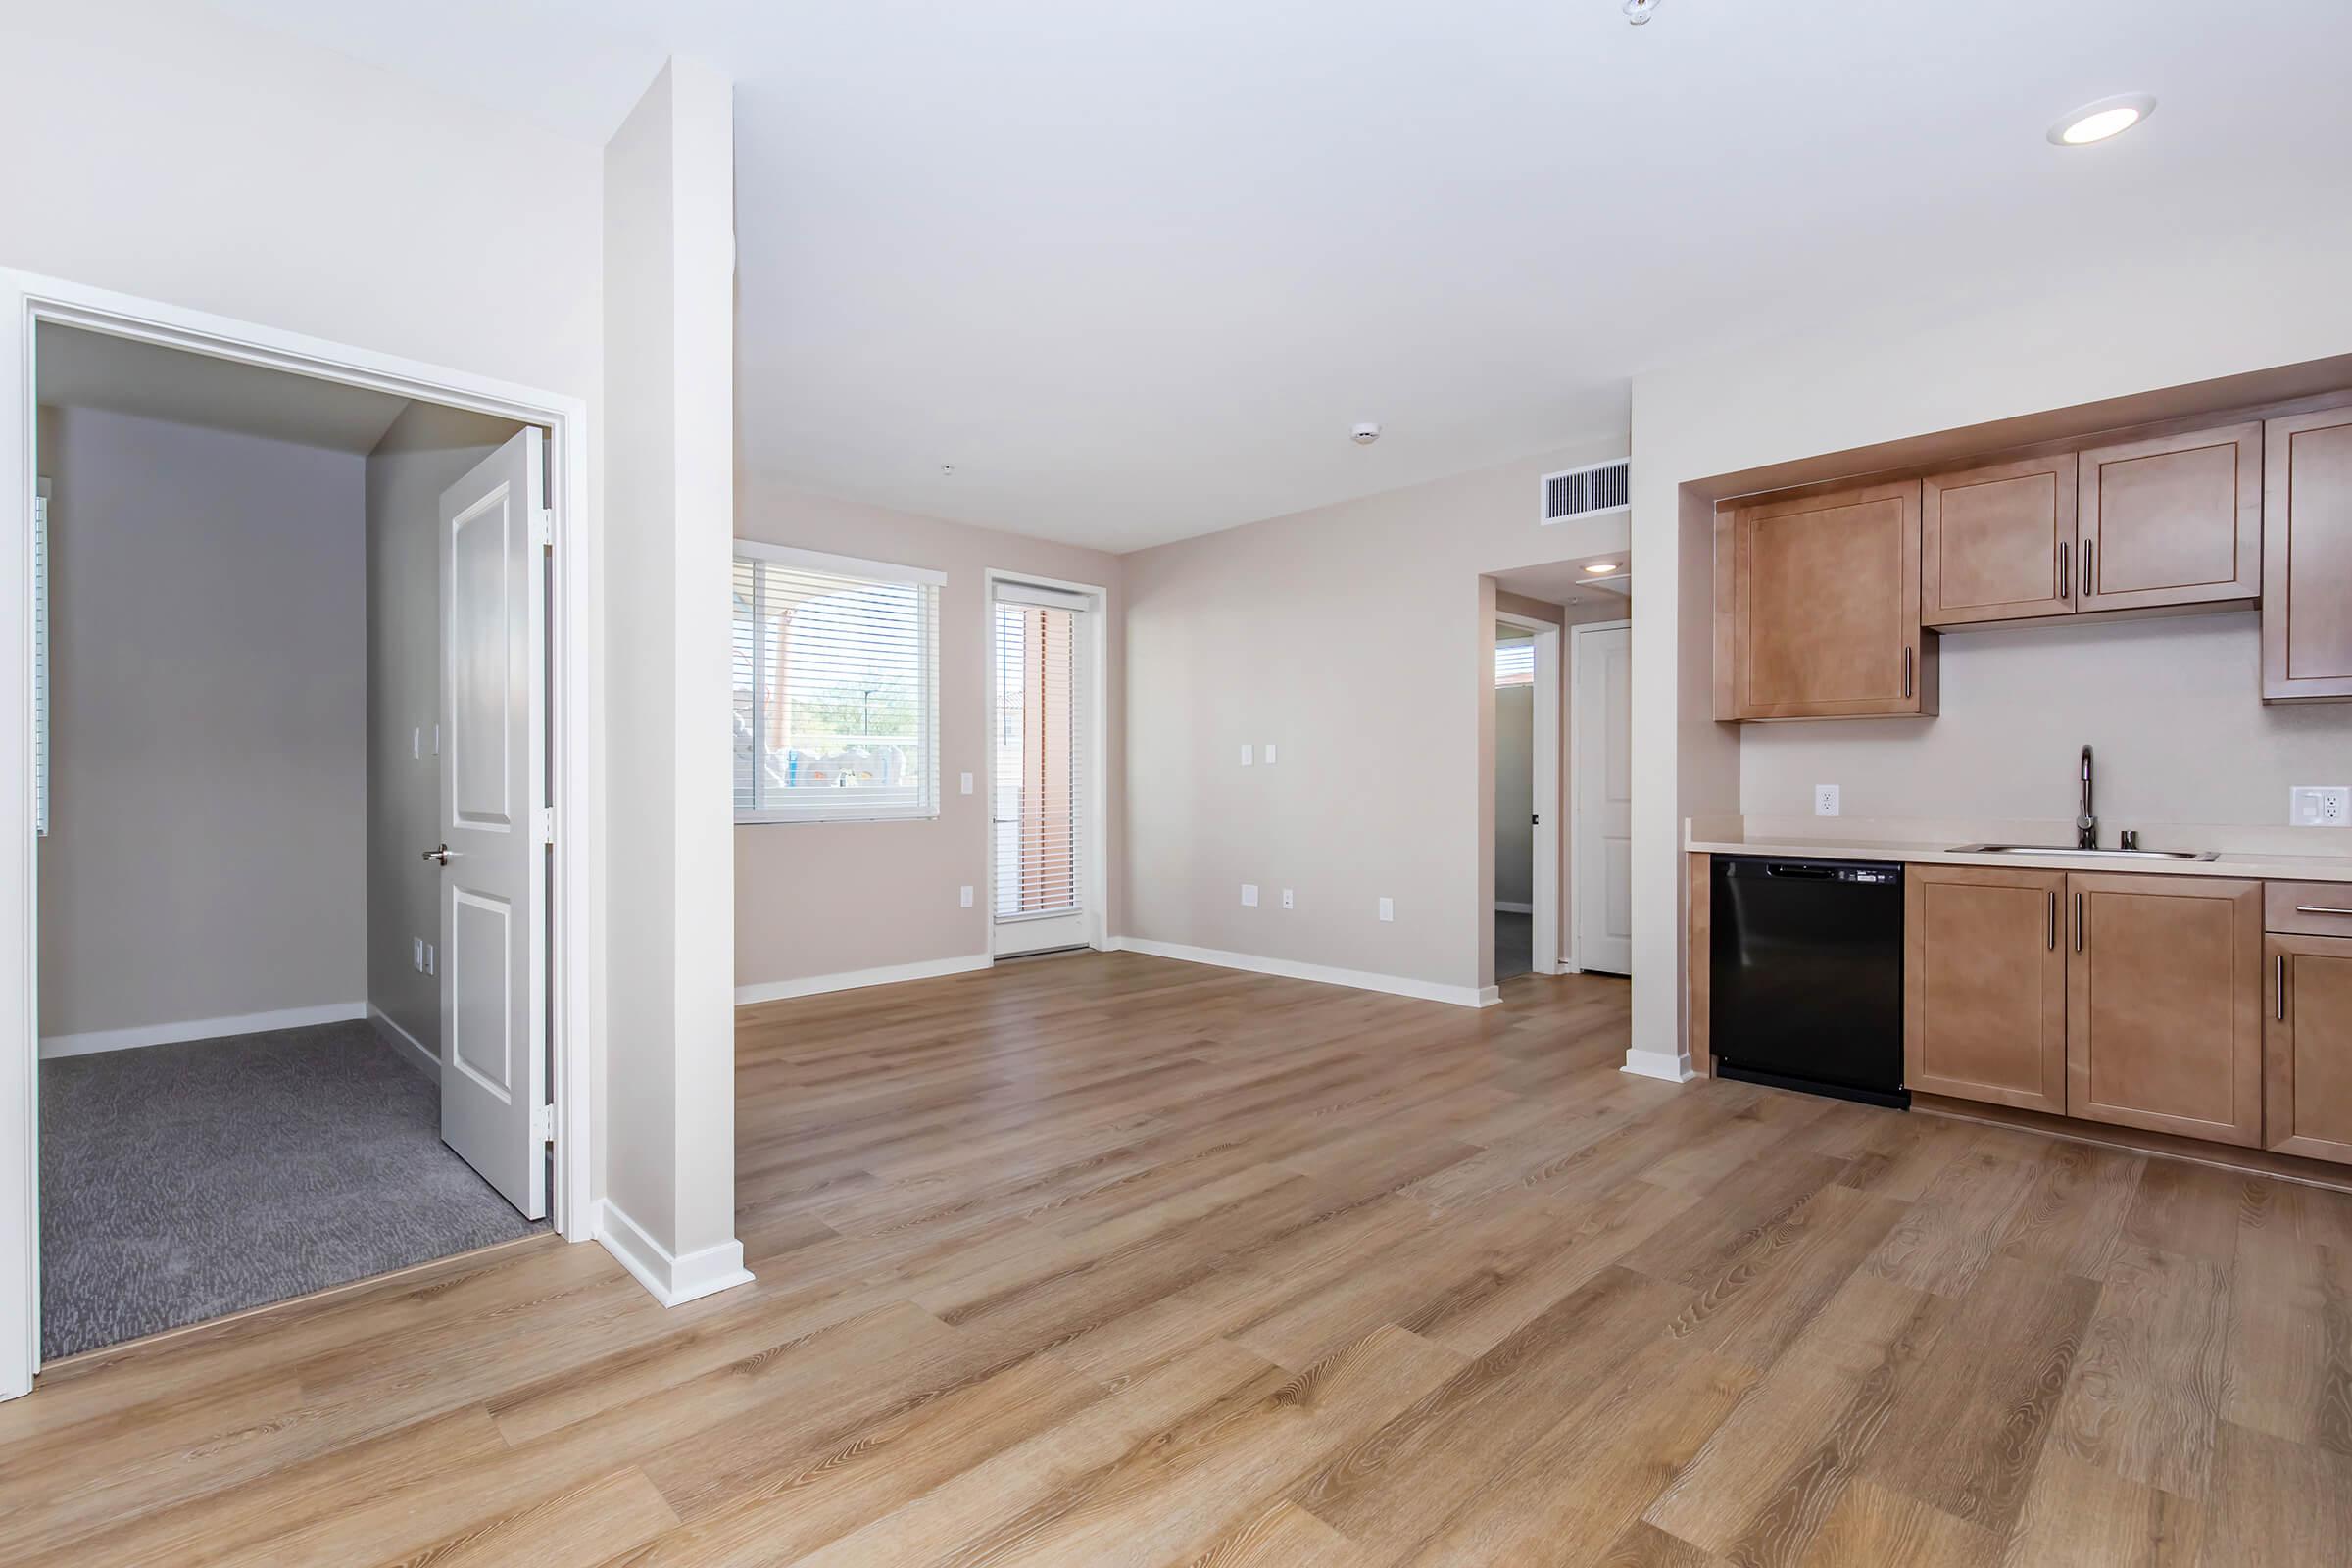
1110	1259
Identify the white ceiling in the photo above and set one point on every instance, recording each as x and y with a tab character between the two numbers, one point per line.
1134	271
91	370
1567	582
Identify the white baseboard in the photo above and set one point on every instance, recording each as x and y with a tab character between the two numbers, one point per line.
412	1049
1501	908
850	980
1658	1064
672	1281
166	1034
1360	979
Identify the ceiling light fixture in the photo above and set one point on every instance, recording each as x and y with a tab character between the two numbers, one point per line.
1596	568
2101	119
1637	11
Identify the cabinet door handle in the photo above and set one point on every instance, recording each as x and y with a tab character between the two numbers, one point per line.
2050	925
2077	922
2088	587
2280	960
1906	669
2322	908
2065	587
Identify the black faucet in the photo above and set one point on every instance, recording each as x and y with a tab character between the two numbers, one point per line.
2086	826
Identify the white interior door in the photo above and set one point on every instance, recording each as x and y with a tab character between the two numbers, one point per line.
1601	861
1040	806
493	851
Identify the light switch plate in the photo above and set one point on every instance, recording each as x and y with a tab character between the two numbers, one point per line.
1246	757
1388	908
1286	899
417	958
428	958
1248	894
416	743
968	783
1825	800
965	893
1269	754
2320	806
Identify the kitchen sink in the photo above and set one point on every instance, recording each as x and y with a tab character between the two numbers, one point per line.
2088	855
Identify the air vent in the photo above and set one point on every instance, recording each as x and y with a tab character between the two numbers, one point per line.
1581	492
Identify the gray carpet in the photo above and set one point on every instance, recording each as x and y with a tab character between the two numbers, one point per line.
179	1183
1514	944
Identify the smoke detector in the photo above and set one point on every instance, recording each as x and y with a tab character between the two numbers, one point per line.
1363	435
1639	11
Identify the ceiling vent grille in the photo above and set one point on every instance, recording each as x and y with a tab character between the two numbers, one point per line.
1583	492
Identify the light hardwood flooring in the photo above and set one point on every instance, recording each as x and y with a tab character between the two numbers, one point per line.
1109	1259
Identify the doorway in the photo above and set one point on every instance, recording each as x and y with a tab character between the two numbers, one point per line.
1527	789
230	819
1600	794
1045	776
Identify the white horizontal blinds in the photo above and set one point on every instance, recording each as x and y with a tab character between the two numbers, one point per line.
41	664
1039	792
1515	662
834	688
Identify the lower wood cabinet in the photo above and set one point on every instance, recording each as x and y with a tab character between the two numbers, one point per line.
2164	1005
2307	1055
1985	985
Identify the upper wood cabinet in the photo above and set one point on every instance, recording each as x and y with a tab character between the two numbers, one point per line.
2307	557
2164	1005
2174	519
1985	984
1998	541
1817	607
2307	1047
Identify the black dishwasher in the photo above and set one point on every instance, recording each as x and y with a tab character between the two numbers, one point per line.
1806	989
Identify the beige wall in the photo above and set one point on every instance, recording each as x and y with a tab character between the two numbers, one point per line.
2217	303
890	889
209	771
1359	639
426	451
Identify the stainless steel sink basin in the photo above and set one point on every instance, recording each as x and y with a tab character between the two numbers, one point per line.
2087	855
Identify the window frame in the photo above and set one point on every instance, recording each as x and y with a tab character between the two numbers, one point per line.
930	585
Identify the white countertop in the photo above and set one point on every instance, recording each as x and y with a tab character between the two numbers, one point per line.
1733	836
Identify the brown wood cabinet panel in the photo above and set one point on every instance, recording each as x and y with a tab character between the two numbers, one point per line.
1985	985
1823	620
1998	541
2172	520
2164	1006
2307	557
2307	1047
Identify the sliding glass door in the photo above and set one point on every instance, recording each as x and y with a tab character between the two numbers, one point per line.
1039	784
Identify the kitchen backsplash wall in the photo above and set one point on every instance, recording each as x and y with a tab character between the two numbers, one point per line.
2171	704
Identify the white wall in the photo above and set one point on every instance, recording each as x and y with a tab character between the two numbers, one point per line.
1359	639
2214	305
209	770
669	258
820	899
426	450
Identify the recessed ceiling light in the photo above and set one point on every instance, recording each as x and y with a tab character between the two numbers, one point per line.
1596	568
2101	119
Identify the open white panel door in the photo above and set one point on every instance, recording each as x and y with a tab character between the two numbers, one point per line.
493	853
1600	710
1039	807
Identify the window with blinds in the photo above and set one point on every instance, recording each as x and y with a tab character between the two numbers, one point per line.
836	688
1515	662
1039	756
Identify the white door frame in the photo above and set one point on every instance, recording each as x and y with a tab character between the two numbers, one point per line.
1576	807
1097	890
1543	934
575	671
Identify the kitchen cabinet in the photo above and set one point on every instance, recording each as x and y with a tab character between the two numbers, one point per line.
2307	1047
2163	1006
1818	607
1998	541
2173	520
1985	996
2307	557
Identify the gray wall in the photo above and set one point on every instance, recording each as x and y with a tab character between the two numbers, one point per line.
209	777
425	452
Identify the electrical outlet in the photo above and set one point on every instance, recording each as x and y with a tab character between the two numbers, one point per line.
966	894
968	783
1246	757
416	744
1248	894
1287	902
2320	806
1388	908
1269	754
1825	800
416	958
